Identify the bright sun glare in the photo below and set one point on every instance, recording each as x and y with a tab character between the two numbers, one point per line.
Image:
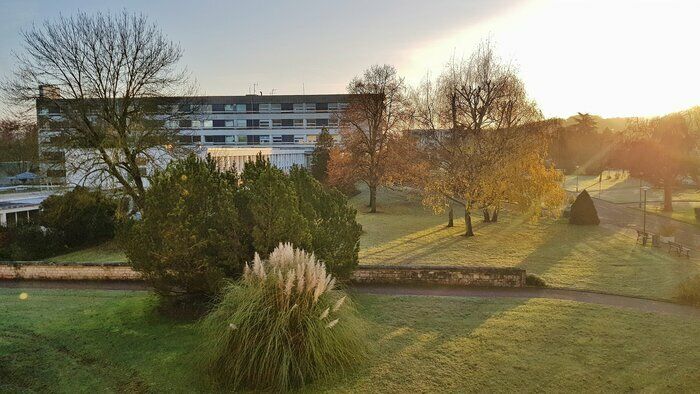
611	58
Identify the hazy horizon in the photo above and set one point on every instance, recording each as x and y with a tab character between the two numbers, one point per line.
629	58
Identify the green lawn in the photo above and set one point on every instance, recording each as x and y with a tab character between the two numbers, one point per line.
111	341
108	252
590	258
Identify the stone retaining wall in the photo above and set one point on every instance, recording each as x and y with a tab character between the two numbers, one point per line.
440	275
54	271
364	274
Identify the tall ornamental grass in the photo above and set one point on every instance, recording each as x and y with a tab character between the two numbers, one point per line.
282	325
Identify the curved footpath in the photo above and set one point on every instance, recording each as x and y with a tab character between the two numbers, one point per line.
617	301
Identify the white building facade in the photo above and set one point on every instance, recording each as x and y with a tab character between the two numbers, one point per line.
231	129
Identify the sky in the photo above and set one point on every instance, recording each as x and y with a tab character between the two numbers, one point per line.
610	58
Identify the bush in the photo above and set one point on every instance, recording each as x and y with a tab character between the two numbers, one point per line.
583	211
80	216
335	234
29	241
271	208
188	240
281	326
688	292
534	281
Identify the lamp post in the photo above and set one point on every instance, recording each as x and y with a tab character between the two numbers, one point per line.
644	213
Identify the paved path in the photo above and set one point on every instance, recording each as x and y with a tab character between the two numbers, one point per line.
620	215
638	304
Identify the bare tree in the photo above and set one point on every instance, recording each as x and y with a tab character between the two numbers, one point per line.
105	80
373	119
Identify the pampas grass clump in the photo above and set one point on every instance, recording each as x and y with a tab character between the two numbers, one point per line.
282	325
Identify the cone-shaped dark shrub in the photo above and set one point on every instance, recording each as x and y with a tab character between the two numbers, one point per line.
583	211
281	326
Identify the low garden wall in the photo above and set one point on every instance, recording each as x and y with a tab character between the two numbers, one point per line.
440	275
364	274
67	271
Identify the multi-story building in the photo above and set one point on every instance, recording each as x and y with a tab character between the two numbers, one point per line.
231	129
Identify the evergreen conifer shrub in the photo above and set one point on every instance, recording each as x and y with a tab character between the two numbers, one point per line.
583	211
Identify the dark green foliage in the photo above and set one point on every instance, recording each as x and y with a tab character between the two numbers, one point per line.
28	242
321	156
583	211
188	239
80	216
534	281
271	207
688	292
335	233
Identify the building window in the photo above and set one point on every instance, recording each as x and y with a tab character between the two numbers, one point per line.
321	122
276	138
219	123
185	123
253	139
298	107
218	108
265	123
264	107
276	122
241	123
215	138
310	107
299	138
184	108
264	139
288	138
333	122
298	122
188	139
241	108
287	123
252	123
310	122
322	107
196	124
230	139
229	108
208	124
287	107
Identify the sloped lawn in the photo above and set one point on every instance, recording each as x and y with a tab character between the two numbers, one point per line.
111	341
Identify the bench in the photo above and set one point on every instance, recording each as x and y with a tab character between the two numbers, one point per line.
679	249
643	236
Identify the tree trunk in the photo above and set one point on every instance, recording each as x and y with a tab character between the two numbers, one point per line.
373	199
494	217
487	217
450	217
668	198
468	221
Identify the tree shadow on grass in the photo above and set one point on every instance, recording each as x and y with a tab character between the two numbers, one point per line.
408	333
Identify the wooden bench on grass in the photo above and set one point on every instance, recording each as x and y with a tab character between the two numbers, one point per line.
643	236
679	249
